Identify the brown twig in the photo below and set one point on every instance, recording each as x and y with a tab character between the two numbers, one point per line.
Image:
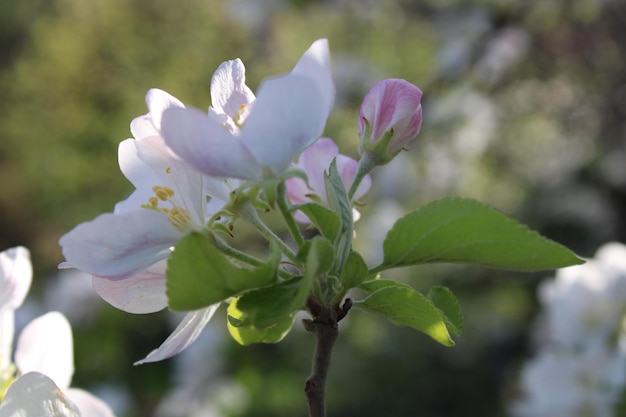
324	328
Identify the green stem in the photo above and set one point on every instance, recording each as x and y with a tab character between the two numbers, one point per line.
248	212
226	249
367	163
291	223
377	269
324	328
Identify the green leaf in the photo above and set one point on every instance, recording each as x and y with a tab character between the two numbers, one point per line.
268	306
354	272
376	284
319	260
199	275
403	305
445	301
246	335
324	219
319	257
467	231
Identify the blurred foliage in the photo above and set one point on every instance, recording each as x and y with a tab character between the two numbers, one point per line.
525	106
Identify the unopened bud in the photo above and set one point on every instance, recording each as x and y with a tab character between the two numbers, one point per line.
390	118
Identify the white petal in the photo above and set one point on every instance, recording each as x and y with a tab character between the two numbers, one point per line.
184	335
171	171
36	395
315	64
45	345
117	246
7	332
289	114
16	274
158	101
206	145
138	172
229	91
142	127
141	293
88	404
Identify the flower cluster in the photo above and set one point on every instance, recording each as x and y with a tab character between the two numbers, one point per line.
580	370
196	173
36	383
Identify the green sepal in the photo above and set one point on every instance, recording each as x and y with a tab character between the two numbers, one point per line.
199	275
468	231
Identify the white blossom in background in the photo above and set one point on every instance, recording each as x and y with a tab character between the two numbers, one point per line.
580	368
37	380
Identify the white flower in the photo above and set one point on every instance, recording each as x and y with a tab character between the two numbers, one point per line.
564	383
126	251
43	347
585	304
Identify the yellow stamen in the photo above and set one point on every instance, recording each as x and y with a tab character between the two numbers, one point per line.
163	192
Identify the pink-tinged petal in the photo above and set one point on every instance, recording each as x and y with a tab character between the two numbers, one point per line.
315	161
347	168
45	345
16	274
88	404
35	395
229	92
158	101
141	293
408	129
117	246
206	145
392	104
297	190
184	335
289	114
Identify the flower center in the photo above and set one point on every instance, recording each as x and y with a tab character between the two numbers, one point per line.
165	202
241	116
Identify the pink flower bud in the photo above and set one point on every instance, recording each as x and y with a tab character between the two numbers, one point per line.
390	117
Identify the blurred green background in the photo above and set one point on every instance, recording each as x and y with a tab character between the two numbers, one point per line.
524	108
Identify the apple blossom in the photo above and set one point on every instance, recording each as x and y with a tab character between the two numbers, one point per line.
45	346
314	161
572	384
580	369
390	118
126	250
585	304
250	137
